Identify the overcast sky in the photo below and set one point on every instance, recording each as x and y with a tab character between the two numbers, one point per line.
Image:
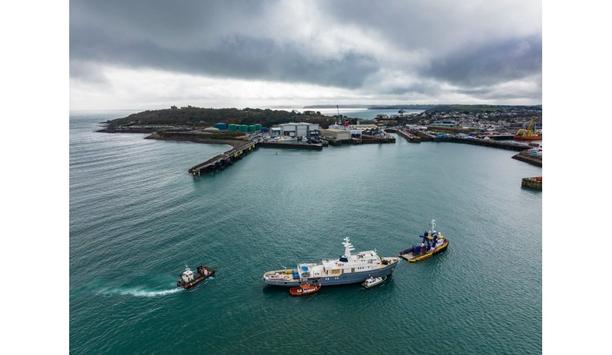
135	54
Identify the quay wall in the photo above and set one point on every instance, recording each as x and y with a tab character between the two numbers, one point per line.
528	159
483	142
308	146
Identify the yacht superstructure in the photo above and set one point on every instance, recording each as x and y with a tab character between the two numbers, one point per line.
349	268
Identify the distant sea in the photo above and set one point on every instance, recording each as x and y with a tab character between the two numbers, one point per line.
137	218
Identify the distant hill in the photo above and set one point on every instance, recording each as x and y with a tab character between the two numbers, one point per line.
480	108
374	107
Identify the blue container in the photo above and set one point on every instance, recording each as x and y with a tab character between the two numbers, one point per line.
221	125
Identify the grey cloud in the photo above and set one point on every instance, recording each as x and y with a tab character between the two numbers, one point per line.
158	36
238	56
489	63
473	45
421	87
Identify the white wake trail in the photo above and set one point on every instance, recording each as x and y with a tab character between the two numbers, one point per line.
140	292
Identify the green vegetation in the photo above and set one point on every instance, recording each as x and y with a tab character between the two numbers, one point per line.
203	117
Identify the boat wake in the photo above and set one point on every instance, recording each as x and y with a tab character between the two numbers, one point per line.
141	292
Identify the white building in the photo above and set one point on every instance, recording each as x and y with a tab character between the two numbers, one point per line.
300	129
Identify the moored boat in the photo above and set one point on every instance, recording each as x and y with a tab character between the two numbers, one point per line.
432	243
189	279
348	269
304	289
373	281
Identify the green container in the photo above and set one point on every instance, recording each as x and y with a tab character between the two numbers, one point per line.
244	128
252	128
232	127
257	127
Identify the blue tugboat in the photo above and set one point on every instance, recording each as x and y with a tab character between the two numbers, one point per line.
432	243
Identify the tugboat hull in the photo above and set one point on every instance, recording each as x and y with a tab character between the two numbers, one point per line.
411	257
196	280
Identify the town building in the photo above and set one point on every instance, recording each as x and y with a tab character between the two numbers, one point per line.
446	123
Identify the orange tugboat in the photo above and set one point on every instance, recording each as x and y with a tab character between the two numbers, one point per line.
304	289
528	134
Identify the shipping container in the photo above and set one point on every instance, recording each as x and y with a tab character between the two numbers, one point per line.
221	125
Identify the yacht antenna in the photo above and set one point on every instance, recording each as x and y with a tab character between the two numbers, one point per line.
348	247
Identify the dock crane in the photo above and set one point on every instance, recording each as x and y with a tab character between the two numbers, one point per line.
528	134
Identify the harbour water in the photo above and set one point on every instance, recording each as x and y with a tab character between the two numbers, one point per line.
137	217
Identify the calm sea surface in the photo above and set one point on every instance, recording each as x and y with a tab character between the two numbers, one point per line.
137	217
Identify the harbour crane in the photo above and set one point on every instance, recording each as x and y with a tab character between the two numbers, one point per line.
528	134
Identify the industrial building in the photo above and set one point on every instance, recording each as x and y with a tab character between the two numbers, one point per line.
297	130
335	134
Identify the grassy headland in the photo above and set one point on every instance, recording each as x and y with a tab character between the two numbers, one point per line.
190	118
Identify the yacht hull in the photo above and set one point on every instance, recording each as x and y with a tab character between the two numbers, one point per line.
343	279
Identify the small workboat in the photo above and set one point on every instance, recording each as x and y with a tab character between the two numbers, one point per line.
189	279
433	242
304	289
373	281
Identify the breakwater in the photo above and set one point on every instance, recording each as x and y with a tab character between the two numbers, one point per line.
484	142
408	136
197	137
524	157
221	161
534	183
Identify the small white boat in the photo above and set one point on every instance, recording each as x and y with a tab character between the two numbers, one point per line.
373	281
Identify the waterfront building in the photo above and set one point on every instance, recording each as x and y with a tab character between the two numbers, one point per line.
363	127
300	129
336	134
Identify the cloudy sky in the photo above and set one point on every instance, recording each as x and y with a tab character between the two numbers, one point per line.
135	54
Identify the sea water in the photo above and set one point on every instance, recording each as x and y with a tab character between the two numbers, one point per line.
137	218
